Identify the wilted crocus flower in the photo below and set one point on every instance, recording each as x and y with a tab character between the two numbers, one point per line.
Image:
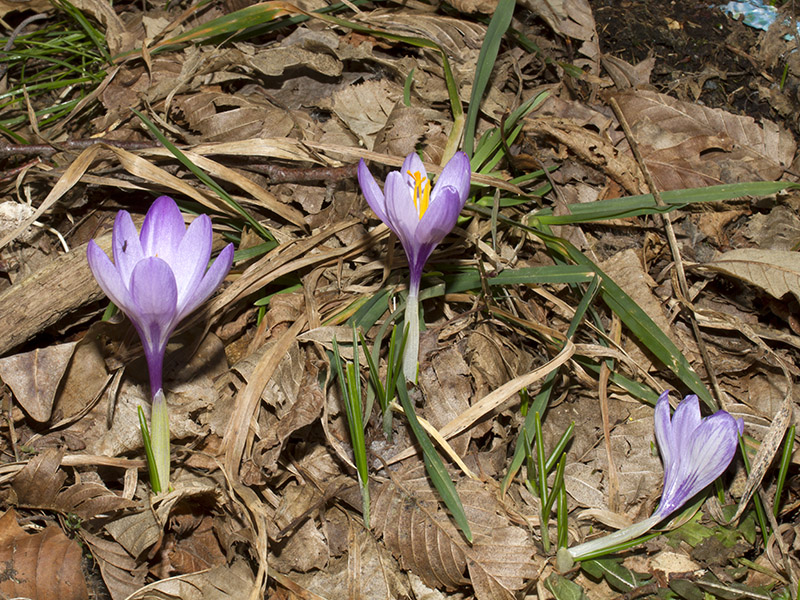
421	215
695	451
157	278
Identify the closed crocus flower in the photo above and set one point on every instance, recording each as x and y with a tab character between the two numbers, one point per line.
694	450
421	215
157	278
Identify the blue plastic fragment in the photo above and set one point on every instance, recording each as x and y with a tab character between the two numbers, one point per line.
756	13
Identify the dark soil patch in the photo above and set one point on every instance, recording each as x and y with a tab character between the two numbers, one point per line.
701	54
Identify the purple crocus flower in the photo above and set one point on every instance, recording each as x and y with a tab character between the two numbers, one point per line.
695	451
159	276
421	215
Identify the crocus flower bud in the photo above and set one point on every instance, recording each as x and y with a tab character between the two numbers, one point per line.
695	451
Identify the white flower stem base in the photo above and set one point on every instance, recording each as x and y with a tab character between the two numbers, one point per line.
411	354
568	555
159	437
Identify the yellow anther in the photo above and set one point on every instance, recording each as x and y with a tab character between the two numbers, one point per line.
422	192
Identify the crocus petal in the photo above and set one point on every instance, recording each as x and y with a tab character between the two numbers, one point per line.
211	280
163	229
400	211
412	164
126	246
686	418
664	435
191	259
712	448
456	174
440	218
155	297
372	192
108	277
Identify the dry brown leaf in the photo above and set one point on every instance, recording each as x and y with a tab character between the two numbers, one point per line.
195	546
626	75
239	430
220	583
584	484
365	108
45	565
367	569
121	573
689	145
34	377
626	269
89	500
486	7
220	117
591	147
118	35
304	546
458	37
136	532
40	480
71	176
306	409
407	513
38	485
273	62
572	18
402	130
445	382
85	377
777	272
36	6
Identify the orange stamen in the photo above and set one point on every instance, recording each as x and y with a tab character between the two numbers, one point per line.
422	192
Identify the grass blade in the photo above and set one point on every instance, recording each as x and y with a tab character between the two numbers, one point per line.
498	26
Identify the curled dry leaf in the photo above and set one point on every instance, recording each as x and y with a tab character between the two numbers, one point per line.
34	377
219	117
366	570
45	565
38	483
407	513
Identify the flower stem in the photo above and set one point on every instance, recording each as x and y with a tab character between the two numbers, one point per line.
159	436
618	537
411	354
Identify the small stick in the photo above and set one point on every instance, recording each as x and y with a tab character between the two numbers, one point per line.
278	174
48	149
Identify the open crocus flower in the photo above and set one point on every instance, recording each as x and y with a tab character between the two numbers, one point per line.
157	278
421	215
695	451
